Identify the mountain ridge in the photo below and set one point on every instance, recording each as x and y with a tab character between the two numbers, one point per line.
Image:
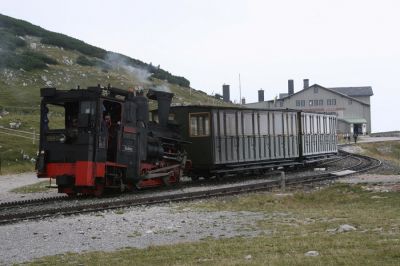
19	28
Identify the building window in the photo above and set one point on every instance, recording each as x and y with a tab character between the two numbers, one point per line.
297	102
350	101
331	102
199	124
315	102
303	102
310	103
281	103
315	89
321	102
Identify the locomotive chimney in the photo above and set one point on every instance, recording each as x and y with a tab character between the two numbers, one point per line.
290	87
164	102
260	95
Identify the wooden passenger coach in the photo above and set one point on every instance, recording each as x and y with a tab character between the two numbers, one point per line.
226	139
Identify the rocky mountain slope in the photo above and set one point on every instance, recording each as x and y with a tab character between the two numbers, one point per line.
32	58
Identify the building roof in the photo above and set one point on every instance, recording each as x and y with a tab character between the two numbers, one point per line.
354	91
354	120
328	89
283	95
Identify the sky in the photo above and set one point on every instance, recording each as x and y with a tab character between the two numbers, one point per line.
333	43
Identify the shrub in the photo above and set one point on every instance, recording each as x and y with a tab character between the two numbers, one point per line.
41	57
84	61
10	41
27	60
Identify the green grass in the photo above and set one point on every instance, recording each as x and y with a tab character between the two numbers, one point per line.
34	188
388	150
292	226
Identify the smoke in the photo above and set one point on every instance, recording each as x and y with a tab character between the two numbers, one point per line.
162	87
119	62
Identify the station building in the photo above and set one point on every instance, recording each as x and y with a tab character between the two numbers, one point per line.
351	105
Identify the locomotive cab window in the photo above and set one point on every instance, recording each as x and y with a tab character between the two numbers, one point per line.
199	124
60	116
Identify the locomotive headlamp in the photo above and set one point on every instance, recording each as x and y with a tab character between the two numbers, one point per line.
63	138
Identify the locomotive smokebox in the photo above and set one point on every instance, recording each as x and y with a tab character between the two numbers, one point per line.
164	102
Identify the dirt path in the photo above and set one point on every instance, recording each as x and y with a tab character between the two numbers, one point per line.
9	182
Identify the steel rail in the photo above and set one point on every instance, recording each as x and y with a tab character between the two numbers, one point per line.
369	163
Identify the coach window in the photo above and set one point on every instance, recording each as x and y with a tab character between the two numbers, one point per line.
199	124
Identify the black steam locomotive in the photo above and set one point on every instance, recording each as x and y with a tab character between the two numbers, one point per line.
103	138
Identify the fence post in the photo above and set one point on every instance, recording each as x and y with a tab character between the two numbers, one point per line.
283	181
34	135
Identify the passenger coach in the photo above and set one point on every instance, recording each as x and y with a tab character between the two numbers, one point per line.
228	140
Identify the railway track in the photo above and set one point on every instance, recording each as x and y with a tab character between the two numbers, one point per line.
41	208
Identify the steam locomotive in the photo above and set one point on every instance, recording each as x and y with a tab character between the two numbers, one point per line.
104	138
101	138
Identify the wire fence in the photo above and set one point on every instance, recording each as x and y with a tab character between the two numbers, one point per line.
32	135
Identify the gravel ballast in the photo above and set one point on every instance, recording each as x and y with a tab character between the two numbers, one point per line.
138	227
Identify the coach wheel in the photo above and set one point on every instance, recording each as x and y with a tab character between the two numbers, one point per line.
219	177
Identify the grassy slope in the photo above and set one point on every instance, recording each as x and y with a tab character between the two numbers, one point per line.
20	95
293	225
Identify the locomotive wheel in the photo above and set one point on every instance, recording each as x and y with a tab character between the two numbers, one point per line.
194	178
99	190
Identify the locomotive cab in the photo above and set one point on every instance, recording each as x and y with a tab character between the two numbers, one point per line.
101	138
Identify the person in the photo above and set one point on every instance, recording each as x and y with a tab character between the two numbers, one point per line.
107	121
111	137
355	137
74	122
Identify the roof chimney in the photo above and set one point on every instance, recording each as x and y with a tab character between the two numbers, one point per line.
290	87
225	93
260	95
306	83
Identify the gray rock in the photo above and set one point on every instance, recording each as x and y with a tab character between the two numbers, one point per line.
346	228
311	253
332	230
248	257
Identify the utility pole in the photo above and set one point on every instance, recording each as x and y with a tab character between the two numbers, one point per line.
240	91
